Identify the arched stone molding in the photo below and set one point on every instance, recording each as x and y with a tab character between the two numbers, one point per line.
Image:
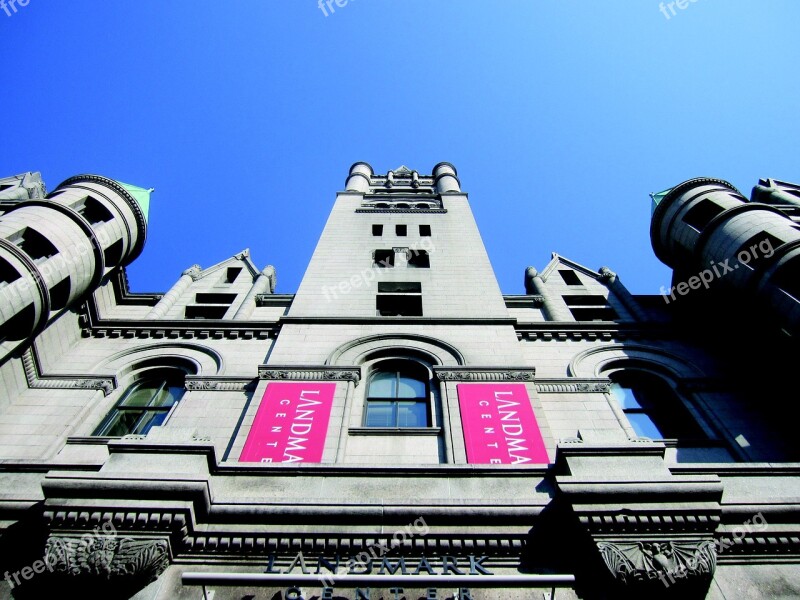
593	362
356	352
197	359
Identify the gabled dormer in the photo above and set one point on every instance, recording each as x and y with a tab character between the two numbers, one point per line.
568	291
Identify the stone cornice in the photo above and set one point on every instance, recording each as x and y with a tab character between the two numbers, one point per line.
419	211
37	380
219	384
591	331
92	325
572	385
474	374
309	373
399	320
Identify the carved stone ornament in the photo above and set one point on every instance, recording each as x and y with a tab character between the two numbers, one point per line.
665	561
107	557
593	387
194	272
485	375
310	374
94	384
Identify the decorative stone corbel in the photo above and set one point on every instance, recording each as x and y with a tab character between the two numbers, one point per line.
666	561
107	557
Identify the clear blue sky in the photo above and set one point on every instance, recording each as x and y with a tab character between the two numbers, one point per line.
561	116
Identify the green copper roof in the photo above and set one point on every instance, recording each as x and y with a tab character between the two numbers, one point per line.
141	195
657	198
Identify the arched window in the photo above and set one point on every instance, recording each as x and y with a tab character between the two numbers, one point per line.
397	395
651	406
145	404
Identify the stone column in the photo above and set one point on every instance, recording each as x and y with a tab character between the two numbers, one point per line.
264	283
612	282
554	310
168	301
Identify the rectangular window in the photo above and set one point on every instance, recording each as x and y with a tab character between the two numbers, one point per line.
570	277
399	299
377	230
425	230
759	248
232	273
590	308
8	274
701	214
418	259
401	230
205	298
93	210
113	254
34	244
145	405
383	259
213	311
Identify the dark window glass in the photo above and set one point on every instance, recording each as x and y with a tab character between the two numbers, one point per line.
35	245
399	299
419	259
570	277
232	273
93	210
377	230
60	294
590	308
384	259
425	230
701	214
652	407
113	254
144	405
397	396
401	230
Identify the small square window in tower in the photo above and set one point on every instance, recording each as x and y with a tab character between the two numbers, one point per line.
399	299
377	230
418	259
425	230
401	230
383	259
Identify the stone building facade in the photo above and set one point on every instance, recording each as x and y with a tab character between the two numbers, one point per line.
398	427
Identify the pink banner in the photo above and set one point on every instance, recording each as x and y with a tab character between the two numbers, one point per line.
291	423
499	425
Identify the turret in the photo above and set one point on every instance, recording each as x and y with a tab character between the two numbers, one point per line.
712	235
55	249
